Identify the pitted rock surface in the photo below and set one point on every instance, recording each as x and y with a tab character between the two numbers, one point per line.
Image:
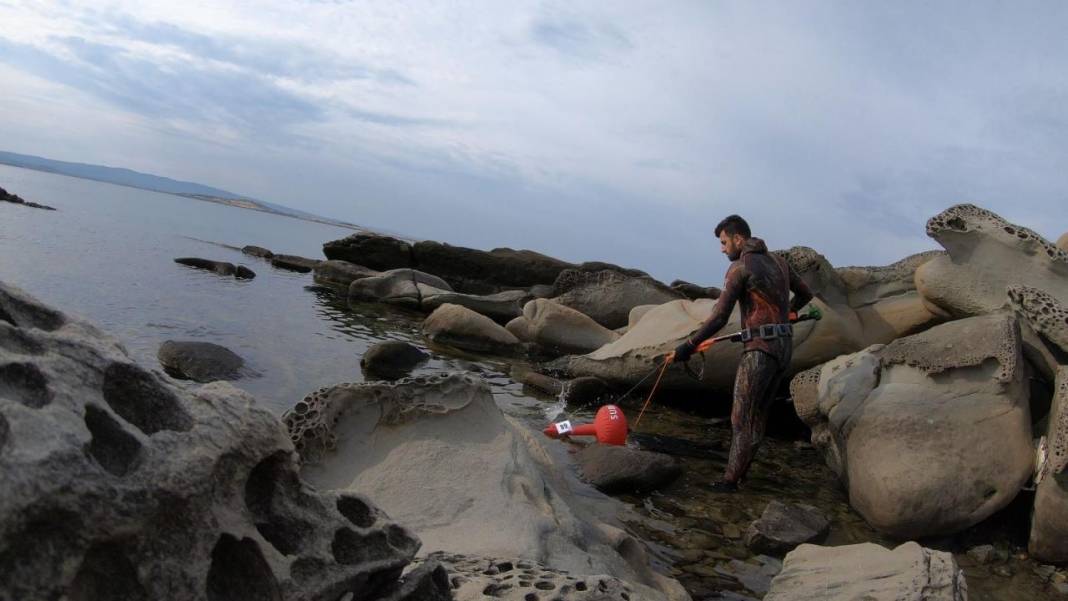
932	433
1043	311
465	477
1049	520
986	255
478	578
119	485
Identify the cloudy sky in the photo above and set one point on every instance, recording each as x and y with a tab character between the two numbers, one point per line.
619	131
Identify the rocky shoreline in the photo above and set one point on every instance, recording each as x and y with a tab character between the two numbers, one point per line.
6	196
935	390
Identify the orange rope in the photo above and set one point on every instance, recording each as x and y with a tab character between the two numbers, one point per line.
652	392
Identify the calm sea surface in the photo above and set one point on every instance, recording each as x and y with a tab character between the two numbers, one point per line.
107	254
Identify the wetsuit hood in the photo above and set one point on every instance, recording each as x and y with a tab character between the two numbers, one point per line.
754	245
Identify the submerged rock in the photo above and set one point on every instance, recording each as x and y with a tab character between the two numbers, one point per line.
220	267
341	274
294	263
257	251
782	527
465	477
614	469
199	361
391	360
870	572
119	485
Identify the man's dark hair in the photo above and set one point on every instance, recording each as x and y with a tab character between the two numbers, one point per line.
733	224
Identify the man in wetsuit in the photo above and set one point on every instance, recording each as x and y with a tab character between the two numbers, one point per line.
762	283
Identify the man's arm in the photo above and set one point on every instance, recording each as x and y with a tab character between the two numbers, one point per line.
802	293
733	286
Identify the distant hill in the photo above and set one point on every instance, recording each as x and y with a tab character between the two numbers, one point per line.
156	183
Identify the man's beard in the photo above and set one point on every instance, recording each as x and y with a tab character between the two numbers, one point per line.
734	255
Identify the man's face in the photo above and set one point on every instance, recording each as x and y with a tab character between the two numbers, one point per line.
731	245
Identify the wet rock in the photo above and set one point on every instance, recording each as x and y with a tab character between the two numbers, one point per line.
404	287
199	361
294	263
755	577
391	360
371	250
694	291
782	527
616	470
1049	520
608	296
6	196
586	390
257	251
931	434
868	571
982	554
341	274
466	478
559	328
986	255
542	382
220	267
460	327
501	307
120	485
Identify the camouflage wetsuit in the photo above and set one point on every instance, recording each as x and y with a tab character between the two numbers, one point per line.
761	282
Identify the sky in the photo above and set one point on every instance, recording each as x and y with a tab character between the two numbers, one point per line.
616	131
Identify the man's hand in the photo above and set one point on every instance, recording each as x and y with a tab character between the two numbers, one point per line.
792	317
683	352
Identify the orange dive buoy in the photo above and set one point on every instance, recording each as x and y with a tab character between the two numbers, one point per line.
609	426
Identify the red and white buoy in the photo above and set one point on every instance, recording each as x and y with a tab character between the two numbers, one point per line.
609	426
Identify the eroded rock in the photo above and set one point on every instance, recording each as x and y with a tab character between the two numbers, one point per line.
559	328
460	327
119	485
1049	520
1047	315
404	287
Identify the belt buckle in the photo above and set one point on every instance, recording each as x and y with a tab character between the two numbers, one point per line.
767	331
746	335
784	329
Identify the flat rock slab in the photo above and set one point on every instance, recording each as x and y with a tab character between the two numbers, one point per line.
870	572
294	263
615	469
199	361
783	526
220	267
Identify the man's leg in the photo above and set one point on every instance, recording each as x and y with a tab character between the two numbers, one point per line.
754	388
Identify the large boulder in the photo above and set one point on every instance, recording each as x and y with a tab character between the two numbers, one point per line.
932	433
465	477
199	361
119	485
987	254
869	572
220	267
1062	242
784	526
483	272
460	327
391	360
608	296
865	286
371	250
294	263
558	328
341	274
1044	312
404	287
501	307
1049	521
619	469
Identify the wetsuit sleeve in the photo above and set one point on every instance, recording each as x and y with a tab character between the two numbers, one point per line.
802	293
733	286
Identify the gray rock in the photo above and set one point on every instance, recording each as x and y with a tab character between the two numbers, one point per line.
614	469
341	274
391	360
784	526
982	554
462	328
586	390
371	250
119	485
294	263
608	296
756	577
481	272
501	307
870	572
1049	520
404	287
199	361
257	251
220	267
694	291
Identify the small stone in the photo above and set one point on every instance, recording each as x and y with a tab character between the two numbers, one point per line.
983	554
732	531
1003	570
